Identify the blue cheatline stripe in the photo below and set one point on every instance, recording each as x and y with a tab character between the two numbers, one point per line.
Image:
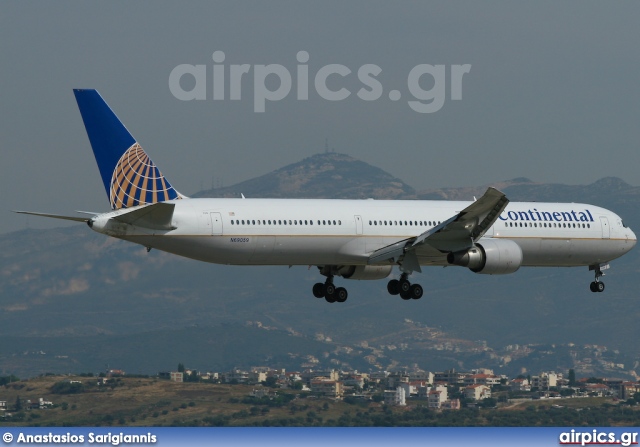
108	136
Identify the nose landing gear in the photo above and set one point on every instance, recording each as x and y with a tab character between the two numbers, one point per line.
597	285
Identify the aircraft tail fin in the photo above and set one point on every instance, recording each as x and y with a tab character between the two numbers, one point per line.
129	176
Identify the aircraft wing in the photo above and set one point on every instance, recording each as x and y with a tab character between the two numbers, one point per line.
454	234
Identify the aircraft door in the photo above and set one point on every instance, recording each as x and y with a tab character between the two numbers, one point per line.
358	224
606	231
211	223
216	223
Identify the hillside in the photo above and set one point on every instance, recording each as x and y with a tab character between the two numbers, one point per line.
69	289
150	402
327	175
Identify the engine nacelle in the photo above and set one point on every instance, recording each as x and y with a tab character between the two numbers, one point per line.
489	257
365	271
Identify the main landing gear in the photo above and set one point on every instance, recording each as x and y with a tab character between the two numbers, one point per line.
404	288
330	292
597	285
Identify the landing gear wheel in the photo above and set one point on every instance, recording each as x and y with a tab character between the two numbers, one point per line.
405	295
597	285
330	298
393	287
319	290
329	289
341	294
404	285
415	291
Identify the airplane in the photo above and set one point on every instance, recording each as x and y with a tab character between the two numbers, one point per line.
351	239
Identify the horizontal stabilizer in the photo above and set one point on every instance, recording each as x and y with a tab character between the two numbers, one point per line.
55	216
156	217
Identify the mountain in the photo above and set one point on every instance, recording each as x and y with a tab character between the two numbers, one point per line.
72	299
321	176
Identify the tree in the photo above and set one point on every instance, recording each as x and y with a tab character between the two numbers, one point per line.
572	377
271	382
567	392
180	367
71	388
489	402
193	377
4	380
18	405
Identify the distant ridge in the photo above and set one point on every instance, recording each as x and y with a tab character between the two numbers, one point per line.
60	286
326	175
468	192
332	175
609	192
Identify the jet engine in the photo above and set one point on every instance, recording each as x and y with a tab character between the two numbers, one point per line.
364	271
489	257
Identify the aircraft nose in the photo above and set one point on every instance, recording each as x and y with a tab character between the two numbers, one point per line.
631	239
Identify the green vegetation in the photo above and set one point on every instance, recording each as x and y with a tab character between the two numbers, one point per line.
150	402
66	387
4	380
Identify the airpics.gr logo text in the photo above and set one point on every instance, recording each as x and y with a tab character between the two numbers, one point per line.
227	82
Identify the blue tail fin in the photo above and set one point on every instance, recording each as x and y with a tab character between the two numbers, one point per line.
129	176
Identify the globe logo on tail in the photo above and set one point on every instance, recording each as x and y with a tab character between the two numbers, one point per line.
137	181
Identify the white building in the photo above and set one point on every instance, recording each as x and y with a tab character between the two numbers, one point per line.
521	384
422	376
437	397
238	375
545	380
395	397
356	380
482	379
257	376
477	392
177	376
327	387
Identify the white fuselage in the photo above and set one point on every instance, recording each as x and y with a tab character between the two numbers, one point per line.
346	232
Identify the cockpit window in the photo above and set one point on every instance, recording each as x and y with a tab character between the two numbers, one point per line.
622	222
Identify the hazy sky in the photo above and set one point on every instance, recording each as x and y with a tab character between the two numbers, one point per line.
552	93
